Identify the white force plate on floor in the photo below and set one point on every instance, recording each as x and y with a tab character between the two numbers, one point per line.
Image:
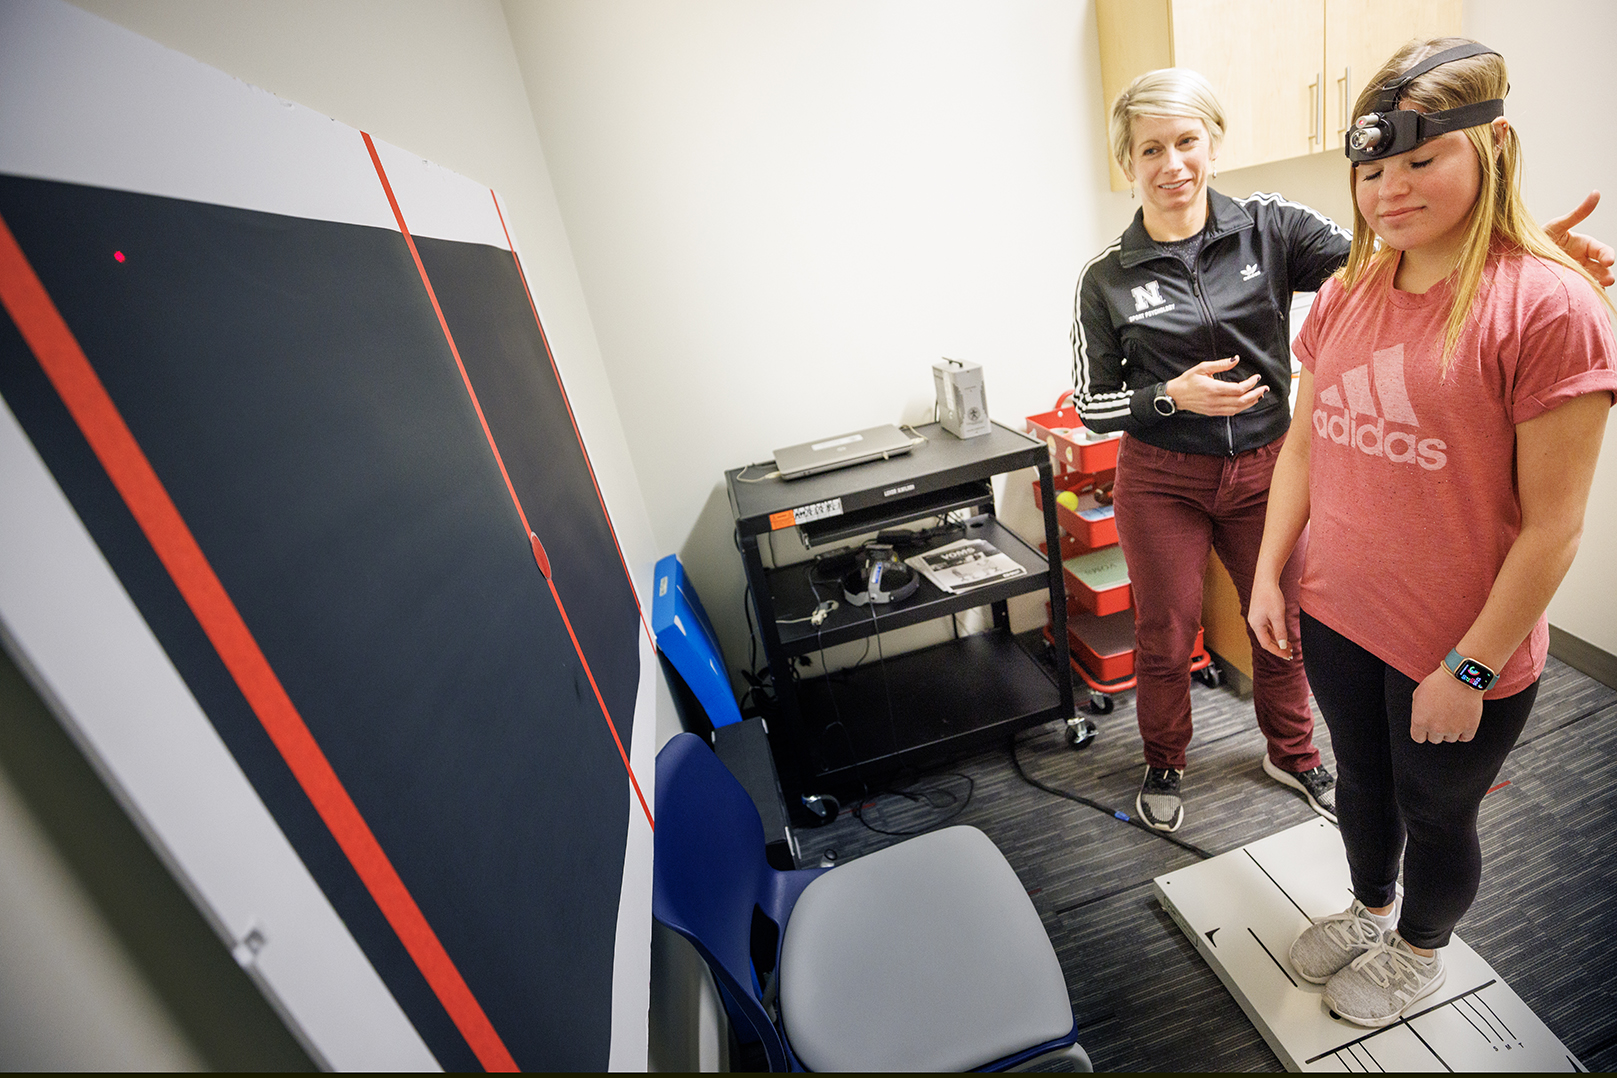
1242	910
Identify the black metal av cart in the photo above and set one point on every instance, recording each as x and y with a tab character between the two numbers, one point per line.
892	711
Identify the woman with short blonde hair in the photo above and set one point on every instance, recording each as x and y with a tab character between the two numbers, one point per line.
1181	340
1170	91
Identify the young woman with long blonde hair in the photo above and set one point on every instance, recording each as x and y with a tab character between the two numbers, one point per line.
1457	375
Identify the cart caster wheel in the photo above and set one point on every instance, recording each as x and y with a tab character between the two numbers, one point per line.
1211	675
1100	703
1080	732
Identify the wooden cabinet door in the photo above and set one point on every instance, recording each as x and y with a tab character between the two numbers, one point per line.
1136	36
1265	59
1361	35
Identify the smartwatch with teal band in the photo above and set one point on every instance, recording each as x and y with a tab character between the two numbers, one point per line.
1468	671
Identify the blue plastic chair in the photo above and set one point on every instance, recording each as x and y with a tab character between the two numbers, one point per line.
925	956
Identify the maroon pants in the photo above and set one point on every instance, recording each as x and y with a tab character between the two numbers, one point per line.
1170	508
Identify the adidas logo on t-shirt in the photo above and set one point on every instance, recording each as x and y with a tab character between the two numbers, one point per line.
1360	425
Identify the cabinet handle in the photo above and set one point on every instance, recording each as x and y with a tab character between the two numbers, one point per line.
1315	107
1346	83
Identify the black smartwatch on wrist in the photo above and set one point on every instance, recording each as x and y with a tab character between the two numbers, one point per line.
1468	671
1164	404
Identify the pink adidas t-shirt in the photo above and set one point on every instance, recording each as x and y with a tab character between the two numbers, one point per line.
1412	494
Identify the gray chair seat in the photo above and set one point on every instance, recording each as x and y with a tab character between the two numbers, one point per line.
925	956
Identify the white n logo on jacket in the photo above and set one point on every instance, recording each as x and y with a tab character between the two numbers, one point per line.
1147	295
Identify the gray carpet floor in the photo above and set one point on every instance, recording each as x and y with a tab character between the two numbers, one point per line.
1545	919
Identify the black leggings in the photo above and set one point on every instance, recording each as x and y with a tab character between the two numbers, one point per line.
1389	787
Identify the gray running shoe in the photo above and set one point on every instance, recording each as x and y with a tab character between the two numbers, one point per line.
1158	801
1332	942
1316	785
1376	988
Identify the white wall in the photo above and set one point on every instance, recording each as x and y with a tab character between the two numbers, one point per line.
1550	46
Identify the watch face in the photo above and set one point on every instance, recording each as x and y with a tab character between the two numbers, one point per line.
1474	674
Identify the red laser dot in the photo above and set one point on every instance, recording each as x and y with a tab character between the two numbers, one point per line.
117	256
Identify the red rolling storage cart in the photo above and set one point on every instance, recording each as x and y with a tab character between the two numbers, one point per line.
1100	602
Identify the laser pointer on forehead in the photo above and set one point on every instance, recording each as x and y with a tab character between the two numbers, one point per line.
1388	130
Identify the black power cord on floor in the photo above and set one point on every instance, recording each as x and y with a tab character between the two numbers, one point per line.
1132	821
936	797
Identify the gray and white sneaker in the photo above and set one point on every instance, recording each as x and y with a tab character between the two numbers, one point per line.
1332	942
1317	786
1376	988
1158	801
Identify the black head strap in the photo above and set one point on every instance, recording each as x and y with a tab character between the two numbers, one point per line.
1388	130
1387	99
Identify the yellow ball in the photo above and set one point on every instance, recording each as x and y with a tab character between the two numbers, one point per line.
1068	499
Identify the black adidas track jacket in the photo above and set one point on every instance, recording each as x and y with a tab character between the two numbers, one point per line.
1141	317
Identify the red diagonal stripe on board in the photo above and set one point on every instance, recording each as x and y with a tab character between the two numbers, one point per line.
87	400
533	538
523	277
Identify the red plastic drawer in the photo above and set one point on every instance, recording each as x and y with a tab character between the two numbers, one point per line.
1104	645
1098	581
1073	445
1091	523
